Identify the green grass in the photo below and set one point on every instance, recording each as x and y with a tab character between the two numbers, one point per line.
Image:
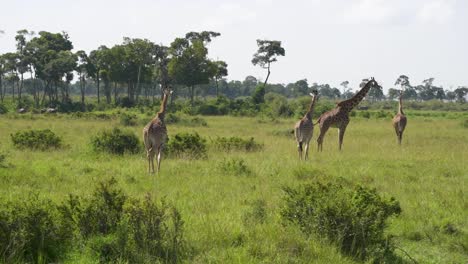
428	174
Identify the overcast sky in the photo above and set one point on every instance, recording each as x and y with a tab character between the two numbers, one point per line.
326	41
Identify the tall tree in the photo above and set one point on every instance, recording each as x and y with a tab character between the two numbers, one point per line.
345	88
82	70
189	64
461	93
23	58
220	70
267	53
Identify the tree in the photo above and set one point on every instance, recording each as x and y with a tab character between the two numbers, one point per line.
268	51
2	74
189	64
408	91
139	52
52	60
23	58
220	71
345	89
82	70
393	93
460	93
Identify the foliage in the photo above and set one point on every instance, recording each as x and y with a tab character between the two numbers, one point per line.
128	119
3	109
111	225
36	139
236	143
354	219
187	145
236	167
256	214
116	141
31	230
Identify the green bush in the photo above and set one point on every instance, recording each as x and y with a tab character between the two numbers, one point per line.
3	109
354	219
119	229
465	123
32	231
365	114
128	120
235	167
186	145
236	143
116	141
36	139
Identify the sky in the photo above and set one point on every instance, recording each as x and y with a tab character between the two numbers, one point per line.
326	41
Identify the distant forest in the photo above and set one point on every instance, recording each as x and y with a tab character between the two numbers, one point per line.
44	67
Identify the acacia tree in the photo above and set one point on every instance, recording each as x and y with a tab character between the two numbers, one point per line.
460	93
220	71
345	88
81	69
2	74
268	51
189	64
23	58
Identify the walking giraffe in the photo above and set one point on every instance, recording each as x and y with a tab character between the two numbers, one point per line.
339	116
304	129
155	134
399	121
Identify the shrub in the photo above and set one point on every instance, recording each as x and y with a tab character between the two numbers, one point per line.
31	230
186	145
236	143
116	141
235	167
465	123
36	139
256	214
365	114
354	219
117	228
128	120
3	109
3	163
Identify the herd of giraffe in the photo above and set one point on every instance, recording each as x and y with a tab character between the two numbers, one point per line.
155	132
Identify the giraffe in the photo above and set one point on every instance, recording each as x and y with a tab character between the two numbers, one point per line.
339	116
399	121
155	134
304	128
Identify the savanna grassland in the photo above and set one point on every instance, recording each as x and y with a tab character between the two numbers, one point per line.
233	215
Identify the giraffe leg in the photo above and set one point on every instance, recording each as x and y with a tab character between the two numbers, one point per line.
320	138
400	137
299	150
341	135
306	151
159	159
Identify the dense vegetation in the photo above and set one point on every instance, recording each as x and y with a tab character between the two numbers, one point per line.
237	203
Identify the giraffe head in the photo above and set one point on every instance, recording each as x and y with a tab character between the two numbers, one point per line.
168	90
371	83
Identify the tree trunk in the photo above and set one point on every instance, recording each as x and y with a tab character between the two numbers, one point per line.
13	89
97	79
217	87
138	82
1	88
268	75
82	88
20	89
191	95
115	92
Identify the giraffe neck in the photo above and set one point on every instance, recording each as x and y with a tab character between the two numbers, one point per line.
311	108
400	106
357	98
162	110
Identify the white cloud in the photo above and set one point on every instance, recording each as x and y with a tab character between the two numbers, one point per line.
438	11
373	11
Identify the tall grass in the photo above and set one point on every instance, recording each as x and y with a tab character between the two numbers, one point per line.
232	219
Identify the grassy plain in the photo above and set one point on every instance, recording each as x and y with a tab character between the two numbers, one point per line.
428	175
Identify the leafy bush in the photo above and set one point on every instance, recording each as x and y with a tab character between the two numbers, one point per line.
184	120
116	141
235	167
365	114
3	109
31	230
3	161
236	143
186	145
128	119
256	214
354	219
465	123
36	139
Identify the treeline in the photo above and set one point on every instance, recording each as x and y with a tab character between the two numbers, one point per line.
45	67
